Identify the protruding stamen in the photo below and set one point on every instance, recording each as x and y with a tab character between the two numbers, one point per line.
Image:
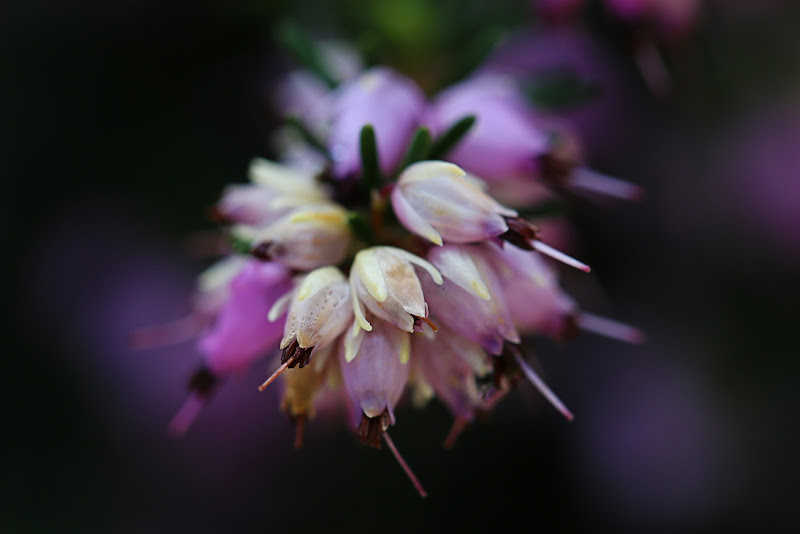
169	333
588	180
609	328
419	319
547	250
520	232
531	375
459	425
186	415
285	365
409	473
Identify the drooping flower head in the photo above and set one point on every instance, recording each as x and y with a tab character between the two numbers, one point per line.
385	267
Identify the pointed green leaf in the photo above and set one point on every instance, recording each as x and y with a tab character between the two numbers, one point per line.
370	168
419	148
448	140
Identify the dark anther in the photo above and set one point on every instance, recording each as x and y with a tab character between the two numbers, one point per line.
505	366
485	381
520	232
297	354
202	382
261	251
564	155
570	329
370	429
554	169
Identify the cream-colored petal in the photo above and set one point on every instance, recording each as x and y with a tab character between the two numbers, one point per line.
428	169
360	320
457	265
318	279
352	344
367	267
280	306
416	260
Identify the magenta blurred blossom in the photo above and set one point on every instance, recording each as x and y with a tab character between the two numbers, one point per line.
390	102
607	123
241	334
506	139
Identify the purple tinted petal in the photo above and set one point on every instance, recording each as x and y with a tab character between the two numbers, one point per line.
242	333
391	103
376	377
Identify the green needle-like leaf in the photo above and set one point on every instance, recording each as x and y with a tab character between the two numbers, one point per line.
419	148
370	169
448	140
360	226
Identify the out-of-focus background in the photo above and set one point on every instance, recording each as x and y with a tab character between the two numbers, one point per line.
121	123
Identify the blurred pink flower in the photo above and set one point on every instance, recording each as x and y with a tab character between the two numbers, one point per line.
390	102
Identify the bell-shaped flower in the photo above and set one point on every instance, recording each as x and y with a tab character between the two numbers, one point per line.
214	283
384	280
539	305
242	333
506	139
307	238
449	364
435	200
535	300
275	190
320	310
391	103
375	369
471	299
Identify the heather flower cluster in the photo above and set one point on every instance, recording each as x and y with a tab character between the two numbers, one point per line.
374	261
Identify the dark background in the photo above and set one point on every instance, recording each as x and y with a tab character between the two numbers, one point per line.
121	123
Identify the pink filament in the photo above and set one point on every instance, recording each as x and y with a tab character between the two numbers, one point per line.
595	182
277	372
186	415
547	250
409	473
610	328
170	333
542	387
